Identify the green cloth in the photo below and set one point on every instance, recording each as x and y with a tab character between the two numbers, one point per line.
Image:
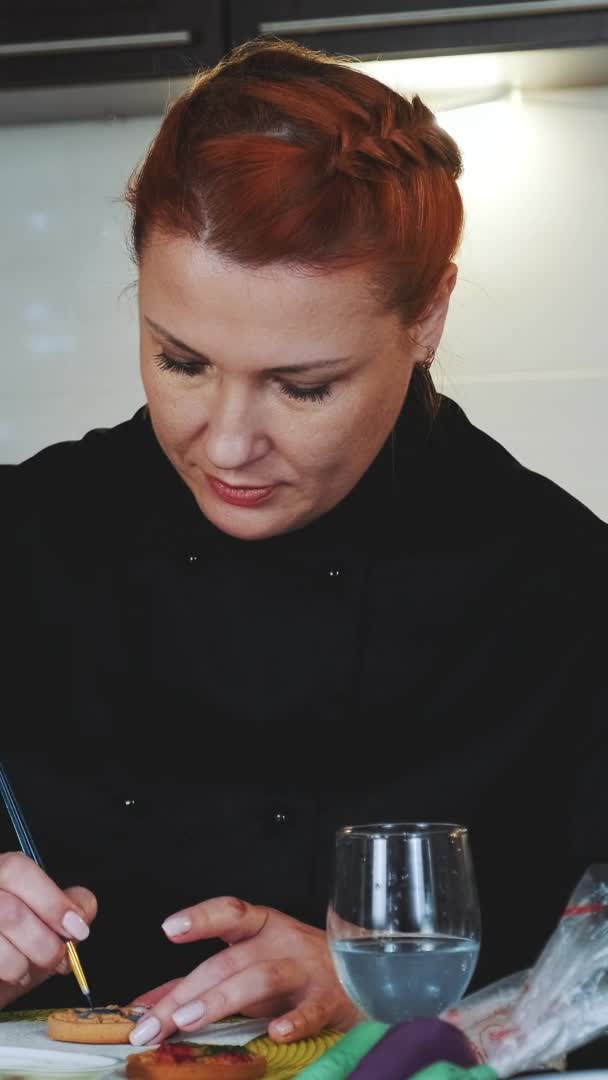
342	1058
442	1070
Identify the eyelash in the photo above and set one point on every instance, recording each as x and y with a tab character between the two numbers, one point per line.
315	394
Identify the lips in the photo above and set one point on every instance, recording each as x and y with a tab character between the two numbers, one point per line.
239	496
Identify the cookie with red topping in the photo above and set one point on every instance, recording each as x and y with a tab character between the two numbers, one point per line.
192	1061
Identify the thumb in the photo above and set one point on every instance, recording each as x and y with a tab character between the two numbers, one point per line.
84	900
86	904
308	1018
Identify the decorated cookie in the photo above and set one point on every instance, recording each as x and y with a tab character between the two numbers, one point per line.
190	1061
111	1024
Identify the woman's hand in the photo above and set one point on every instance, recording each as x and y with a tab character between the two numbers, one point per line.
36	919
275	966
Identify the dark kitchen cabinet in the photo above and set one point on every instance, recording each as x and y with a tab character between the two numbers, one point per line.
392	28
63	42
67	42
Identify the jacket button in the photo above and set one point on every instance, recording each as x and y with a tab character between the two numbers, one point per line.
281	817
336	573
191	560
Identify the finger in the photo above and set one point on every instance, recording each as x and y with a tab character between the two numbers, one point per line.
267	979
21	877
263	981
87	905
32	938
210	973
217	969
9	992
84	900
14	966
151	997
224	917
307	1019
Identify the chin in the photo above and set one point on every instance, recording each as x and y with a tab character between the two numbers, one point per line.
246	524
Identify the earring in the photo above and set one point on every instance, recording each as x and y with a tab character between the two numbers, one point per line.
428	360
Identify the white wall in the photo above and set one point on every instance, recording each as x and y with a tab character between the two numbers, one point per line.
525	350
525	346
69	342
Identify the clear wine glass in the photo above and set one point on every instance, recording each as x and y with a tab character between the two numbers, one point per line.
403	920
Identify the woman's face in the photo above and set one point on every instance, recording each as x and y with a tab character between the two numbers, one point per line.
271	391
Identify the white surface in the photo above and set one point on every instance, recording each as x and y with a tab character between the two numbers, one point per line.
32	1034
525	346
48	1063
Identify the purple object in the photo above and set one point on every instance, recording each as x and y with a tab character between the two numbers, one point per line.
411	1046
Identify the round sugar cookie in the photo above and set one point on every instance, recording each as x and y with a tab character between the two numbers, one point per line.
111	1024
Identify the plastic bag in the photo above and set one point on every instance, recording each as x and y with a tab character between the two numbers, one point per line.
532	1019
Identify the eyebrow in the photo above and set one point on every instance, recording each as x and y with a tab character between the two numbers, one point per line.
313	365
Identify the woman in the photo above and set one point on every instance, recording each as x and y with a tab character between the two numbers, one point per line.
298	588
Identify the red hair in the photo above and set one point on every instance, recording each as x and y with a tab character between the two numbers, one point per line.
283	154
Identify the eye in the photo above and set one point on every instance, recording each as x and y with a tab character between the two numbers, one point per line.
306	393
180	367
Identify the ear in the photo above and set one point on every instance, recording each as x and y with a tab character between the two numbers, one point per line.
429	328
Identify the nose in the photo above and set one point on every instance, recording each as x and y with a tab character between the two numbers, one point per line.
235	435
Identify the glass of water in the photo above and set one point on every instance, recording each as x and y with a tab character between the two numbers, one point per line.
403	921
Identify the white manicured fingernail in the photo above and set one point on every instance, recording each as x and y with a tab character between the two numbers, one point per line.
189	1014
176	925
75	926
145	1031
284	1027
